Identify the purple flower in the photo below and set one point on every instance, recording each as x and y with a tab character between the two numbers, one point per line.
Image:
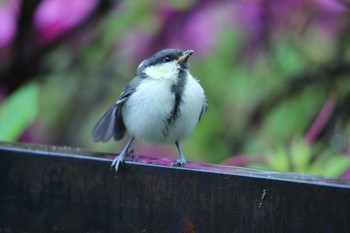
346	174
8	22
54	17
204	25
195	28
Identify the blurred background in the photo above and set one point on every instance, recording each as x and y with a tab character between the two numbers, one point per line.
276	74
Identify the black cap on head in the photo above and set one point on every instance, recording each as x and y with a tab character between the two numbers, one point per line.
167	55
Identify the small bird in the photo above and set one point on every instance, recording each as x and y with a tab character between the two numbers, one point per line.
161	105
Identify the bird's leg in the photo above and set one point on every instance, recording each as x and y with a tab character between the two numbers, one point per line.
120	159
181	161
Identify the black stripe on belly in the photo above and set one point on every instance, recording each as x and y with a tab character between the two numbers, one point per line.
177	88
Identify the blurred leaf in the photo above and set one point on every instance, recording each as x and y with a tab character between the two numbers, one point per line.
318	46
292	116
336	165
18	111
288	58
327	164
278	160
300	155
182	4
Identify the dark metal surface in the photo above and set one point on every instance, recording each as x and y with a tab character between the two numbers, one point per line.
55	189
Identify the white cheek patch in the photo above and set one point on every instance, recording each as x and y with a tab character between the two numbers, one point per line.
167	70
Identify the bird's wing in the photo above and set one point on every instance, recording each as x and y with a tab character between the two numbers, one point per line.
204	109
105	127
111	123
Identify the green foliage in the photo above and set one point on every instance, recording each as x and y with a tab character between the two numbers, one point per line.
18	111
293	116
288	58
300	157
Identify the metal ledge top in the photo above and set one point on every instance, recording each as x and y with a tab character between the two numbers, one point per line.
78	153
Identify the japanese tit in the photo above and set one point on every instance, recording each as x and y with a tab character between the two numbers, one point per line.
161	105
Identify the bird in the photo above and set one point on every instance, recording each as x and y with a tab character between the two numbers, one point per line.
162	104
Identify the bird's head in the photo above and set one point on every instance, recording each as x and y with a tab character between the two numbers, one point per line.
165	64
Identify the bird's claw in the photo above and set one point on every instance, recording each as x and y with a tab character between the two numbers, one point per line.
179	163
119	161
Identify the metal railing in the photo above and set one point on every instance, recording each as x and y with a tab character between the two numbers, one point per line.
60	189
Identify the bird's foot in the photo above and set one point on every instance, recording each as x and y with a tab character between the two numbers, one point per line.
179	163
117	162
120	159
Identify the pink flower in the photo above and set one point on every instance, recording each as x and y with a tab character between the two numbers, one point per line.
8	22
203	27
54	17
196	28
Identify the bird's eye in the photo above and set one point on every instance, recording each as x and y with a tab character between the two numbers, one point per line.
166	59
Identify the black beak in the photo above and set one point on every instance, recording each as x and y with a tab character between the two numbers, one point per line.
185	55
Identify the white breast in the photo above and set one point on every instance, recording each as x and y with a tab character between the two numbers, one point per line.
146	112
192	101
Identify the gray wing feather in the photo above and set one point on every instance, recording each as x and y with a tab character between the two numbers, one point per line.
111	123
204	109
